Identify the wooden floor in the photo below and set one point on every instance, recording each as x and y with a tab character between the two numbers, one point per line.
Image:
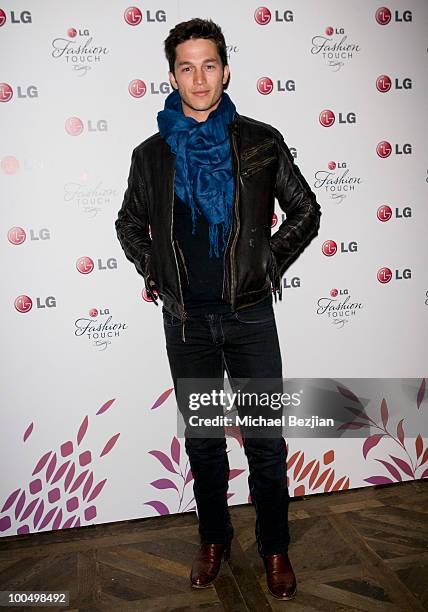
361	549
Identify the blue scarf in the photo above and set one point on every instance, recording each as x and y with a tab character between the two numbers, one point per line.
204	177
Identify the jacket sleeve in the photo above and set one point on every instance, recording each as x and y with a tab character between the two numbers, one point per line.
132	225
302	210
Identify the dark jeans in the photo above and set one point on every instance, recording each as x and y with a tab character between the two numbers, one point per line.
245	344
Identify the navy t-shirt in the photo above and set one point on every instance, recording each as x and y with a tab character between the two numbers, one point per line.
201	275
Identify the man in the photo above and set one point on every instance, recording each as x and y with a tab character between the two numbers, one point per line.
196	222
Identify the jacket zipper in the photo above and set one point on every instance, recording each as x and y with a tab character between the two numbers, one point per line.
183	312
256	166
261	147
238	225
183	261
224	256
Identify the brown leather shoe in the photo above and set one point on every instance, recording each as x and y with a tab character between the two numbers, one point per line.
280	576
207	564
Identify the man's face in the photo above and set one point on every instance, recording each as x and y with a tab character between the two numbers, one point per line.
199	77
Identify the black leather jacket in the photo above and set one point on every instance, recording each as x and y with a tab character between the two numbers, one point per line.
254	261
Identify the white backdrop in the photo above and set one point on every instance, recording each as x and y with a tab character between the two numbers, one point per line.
88	418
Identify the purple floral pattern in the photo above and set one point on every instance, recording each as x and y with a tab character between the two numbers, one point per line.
178	479
408	466
61	492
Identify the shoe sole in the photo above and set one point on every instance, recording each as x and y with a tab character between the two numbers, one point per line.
202	586
286	598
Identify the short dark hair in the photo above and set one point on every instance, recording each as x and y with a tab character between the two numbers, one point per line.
195	28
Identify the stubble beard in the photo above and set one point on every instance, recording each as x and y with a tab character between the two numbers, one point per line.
201	110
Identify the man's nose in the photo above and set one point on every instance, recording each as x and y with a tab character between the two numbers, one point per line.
199	75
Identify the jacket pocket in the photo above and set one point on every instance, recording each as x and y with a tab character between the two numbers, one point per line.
256	149
257	166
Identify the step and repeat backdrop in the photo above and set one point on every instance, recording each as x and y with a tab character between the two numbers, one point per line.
88	419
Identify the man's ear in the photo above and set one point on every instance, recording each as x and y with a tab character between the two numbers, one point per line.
172	80
226	73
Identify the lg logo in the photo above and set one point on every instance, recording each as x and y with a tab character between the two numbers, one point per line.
75	126
263	16
332	165
265	85
384	275
72	32
9	164
329	247
384	213
24	303
384	83
137	88
94	312
134	16
17	235
23	17
6	92
383	16
292	283
85	265
384	149
330	31
327	118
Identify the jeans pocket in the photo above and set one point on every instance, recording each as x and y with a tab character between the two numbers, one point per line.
170	320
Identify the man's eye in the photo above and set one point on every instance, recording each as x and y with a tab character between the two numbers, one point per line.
186	69
209	66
